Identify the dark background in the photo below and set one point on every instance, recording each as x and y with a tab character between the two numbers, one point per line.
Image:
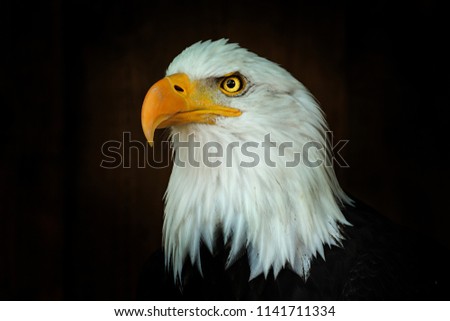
74	74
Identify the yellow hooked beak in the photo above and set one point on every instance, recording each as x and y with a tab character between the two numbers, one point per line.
176	100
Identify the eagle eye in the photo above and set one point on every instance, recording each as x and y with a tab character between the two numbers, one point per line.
232	85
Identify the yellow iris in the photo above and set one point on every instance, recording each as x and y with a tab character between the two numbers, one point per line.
232	85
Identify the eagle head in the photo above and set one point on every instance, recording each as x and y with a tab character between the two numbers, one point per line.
250	153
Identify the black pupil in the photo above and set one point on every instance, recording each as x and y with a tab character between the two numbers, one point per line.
231	83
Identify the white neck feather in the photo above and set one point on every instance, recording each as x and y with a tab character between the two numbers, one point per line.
283	216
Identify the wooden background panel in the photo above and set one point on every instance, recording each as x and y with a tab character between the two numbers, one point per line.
124	205
77	72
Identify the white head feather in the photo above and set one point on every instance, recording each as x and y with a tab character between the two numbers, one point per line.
282	215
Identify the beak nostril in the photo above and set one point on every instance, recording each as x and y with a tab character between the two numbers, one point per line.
178	88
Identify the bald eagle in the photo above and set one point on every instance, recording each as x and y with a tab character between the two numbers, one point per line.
253	209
